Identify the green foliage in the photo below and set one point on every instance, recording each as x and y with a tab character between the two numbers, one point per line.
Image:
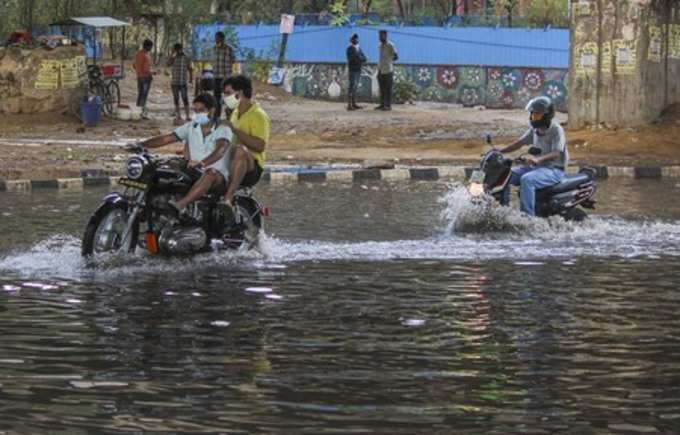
405	91
548	12
339	13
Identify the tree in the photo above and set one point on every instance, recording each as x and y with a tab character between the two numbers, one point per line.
509	6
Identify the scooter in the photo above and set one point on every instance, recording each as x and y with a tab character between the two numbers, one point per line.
568	199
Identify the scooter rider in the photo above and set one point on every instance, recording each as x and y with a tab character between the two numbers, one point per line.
545	169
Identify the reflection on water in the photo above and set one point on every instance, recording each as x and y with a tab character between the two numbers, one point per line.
364	316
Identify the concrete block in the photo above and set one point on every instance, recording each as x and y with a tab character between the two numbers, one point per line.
283	177
70	183
648	172
366	175
44	184
18	185
343	176
666	172
96	181
451	172
424	174
395	174
621	172
312	177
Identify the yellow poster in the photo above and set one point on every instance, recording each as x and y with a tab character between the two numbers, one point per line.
48	75
583	8
81	63
69	74
586	59
655	44
626	56
674	41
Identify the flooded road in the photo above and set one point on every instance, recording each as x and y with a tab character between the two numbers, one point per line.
383	308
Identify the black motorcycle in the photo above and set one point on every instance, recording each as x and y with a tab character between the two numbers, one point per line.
566	199
152	182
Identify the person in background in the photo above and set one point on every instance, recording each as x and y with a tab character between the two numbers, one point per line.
250	125
224	61
182	73
388	55
142	66
355	60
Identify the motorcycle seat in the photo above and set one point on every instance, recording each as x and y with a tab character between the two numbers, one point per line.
570	182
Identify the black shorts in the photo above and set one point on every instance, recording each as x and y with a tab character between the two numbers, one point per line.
252	177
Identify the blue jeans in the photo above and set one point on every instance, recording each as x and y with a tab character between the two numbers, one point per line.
530	179
143	88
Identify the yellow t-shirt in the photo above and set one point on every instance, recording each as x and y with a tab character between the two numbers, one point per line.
254	122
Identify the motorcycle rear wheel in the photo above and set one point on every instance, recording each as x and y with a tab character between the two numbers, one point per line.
104	231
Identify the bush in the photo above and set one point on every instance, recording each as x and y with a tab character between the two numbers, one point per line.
405	92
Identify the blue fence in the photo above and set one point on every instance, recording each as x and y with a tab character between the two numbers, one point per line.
479	46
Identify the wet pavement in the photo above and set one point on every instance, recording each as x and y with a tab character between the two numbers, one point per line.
383	308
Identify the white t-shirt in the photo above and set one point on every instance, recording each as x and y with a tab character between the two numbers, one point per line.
201	146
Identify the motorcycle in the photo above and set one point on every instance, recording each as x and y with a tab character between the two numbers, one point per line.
568	198
150	183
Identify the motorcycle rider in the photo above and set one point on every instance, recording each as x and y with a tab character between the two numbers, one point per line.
546	169
205	147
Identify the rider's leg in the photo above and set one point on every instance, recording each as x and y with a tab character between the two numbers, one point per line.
242	162
515	176
534	180
209	179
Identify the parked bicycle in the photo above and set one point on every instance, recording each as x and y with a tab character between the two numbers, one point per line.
98	83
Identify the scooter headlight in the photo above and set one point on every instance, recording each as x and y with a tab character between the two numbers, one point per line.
135	168
476	189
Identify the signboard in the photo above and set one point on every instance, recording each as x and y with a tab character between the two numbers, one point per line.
70	77
583	8
655	44
626	56
48	75
586	58
287	24
674	41
276	75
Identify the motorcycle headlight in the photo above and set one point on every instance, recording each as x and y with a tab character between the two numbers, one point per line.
135	168
476	189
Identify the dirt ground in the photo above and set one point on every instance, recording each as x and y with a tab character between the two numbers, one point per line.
311	132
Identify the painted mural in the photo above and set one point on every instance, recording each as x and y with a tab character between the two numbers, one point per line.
502	88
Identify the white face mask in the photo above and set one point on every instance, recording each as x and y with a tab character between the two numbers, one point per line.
200	118
231	102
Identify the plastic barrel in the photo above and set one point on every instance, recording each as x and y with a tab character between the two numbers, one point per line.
91	111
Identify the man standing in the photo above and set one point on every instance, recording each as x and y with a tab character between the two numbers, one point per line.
181	71
250	125
355	60
224	61
142	66
388	55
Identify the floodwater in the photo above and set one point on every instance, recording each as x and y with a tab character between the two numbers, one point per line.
383	308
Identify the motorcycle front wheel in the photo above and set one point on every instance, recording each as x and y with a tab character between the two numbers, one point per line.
105	230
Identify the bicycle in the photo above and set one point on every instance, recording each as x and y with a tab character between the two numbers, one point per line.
106	88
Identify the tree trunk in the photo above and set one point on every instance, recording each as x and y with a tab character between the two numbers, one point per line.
400	5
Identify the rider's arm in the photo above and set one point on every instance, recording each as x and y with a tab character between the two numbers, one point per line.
512	147
256	142
550	156
160	141
221	148
526	139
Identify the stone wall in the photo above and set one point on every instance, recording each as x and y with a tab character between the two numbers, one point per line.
625	61
493	87
39	80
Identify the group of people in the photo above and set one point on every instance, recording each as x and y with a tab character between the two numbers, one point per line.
356	60
231	151
182	75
